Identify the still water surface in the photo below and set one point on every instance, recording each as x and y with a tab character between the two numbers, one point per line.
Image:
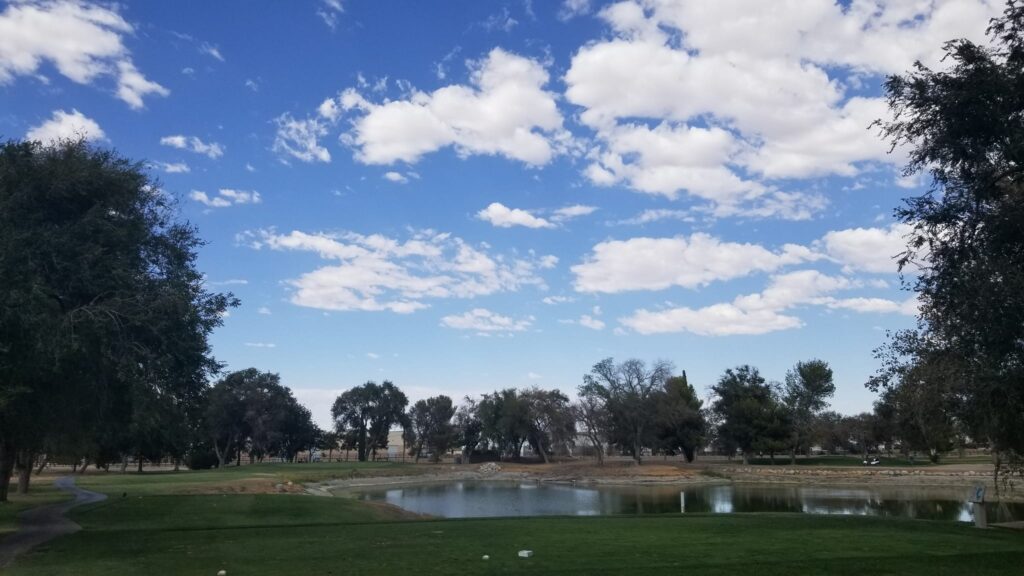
481	499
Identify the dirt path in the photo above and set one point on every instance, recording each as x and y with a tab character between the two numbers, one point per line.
45	523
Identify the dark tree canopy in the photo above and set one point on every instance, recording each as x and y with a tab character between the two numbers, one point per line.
364	416
104	316
629	392
679	419
962	126
748	412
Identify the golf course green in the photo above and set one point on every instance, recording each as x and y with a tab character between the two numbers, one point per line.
203	522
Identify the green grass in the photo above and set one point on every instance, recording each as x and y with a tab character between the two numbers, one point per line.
157	529
239	479
41	493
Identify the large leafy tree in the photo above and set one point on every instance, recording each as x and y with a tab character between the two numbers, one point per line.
100	297
629	391
962	126
431	428
748	412
552	423
364	415
806	391
679	419
505	421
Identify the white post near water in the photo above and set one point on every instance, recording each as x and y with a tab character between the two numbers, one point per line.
978	505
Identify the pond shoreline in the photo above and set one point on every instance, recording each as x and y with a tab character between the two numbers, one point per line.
671	475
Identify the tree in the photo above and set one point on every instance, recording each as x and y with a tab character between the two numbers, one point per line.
962	126
679	421
551	420
430	427
749	415
364	415
592	415
628	390
505	421
100	296
808	387
468	428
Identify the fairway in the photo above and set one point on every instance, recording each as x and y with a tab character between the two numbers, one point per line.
163	526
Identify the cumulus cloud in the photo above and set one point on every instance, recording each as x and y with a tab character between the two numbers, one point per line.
677	94
588	321
300	139
66	125
395	177
504	110
689	262
483	320
375	272
226	197
570	212
504	217
173	167
867	249
83	41
193	144
329	11
751	314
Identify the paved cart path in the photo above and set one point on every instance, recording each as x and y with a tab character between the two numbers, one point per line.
39	525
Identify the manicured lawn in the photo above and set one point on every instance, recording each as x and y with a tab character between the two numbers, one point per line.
256	478
157	529
42	492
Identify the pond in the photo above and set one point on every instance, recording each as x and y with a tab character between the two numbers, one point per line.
482	499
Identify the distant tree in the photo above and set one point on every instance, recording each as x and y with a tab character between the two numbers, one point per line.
430	427
679	419
807	389
364	415
469	428
595	421
961	126
552	423
749	415
629	390
505	421
296	431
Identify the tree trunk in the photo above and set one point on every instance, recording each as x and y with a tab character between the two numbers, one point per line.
85	464
238	460
746	458
140	464
177	464
24	477
7	458
124	463
42	464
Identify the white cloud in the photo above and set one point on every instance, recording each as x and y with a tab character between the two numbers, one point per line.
252	85
372	355
226	197
659	263
659	214
588	321
867	249
677	95
759	313
193	144
261	345
570	212
300	139
83	42
483	320
572	8
264	311
552	300
907	307
503	111
174	167
66	125
376	272
329	11
396	177
504	217
533	376
211	50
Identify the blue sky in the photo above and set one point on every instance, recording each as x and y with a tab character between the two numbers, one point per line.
461	196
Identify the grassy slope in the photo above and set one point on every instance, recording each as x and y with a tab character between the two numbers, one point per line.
158	530
41	493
